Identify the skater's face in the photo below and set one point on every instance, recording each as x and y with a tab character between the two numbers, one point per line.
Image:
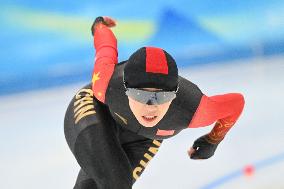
148	115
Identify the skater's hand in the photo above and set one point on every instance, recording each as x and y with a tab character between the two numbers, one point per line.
107	21
202	148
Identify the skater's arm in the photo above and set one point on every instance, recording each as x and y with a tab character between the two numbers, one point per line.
106	55
225	109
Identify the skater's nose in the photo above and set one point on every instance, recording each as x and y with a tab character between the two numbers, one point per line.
151	108
151	102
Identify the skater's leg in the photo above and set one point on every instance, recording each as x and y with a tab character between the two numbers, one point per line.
140	151
84	181
94	143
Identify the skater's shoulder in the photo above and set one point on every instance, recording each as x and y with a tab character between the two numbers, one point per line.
188	96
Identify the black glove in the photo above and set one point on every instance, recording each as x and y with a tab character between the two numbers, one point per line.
98	20
203	148
108	21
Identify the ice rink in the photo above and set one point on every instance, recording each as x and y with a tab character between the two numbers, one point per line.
34	153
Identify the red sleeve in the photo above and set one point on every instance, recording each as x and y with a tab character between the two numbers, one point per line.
106	58
225	109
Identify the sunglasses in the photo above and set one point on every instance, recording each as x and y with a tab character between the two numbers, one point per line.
150	97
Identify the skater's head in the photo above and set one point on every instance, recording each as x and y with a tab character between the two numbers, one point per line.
151	83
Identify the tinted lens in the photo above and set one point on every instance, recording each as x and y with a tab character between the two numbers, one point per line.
149	97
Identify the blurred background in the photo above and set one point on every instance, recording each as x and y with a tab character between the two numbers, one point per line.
222	46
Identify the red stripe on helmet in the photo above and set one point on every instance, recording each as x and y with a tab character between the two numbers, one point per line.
156	61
